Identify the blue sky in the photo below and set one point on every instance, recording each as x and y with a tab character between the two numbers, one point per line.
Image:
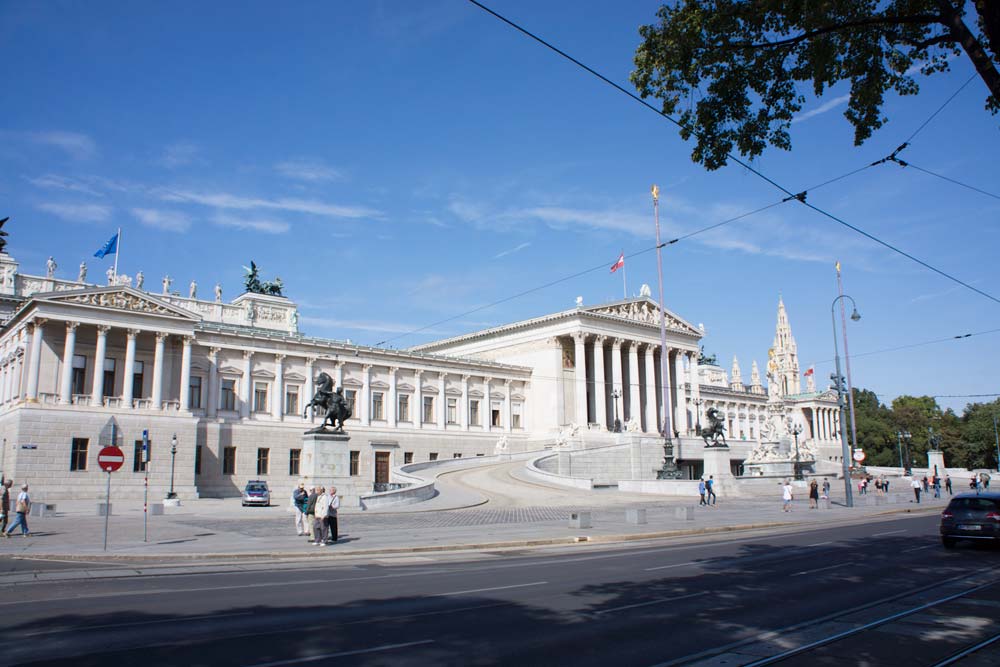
399	164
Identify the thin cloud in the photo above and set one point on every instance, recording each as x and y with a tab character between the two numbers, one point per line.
78	212
54	182
168	221
512	250
76	145
308	170
225	200
266	226
180	154
821	109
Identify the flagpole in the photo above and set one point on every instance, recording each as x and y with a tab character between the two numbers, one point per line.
624	284
118	247
847	360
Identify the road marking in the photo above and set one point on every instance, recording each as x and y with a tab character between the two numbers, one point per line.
889	532
494	588
929	546
646	604
822	569
667	567
75	562
88	628
314	658
969	651
820	544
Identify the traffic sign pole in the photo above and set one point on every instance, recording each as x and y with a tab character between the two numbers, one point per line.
109	459
107	510
145	483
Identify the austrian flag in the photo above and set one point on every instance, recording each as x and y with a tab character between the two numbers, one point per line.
810	371
620	264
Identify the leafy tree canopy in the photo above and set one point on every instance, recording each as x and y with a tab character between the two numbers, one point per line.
734	67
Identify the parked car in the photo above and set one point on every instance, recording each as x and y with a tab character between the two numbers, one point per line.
971	516
256	493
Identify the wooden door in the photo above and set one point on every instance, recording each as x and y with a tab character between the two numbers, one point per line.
382	467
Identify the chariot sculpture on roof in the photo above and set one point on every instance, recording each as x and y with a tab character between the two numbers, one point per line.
253	283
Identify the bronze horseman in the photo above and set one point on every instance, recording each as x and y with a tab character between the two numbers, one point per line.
336	408
715	431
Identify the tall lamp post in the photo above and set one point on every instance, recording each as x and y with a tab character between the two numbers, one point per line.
996	437
615	395
796	429
697	415
173	455
900	436
839	379
669	470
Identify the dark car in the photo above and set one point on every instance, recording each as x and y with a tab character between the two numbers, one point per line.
256	493
971	516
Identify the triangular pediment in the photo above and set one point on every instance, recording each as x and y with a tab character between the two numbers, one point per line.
644	311
294	377
404	386
117	297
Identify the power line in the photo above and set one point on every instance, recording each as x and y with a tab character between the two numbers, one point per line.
943	105
905	163
801	197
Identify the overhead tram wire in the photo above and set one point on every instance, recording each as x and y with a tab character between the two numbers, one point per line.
801	196
907	163
940	108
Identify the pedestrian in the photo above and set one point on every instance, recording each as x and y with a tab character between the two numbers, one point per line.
878	487
331	516
786	496
916	489
947	484
813	495
937	486
701	491
826	487
5	509
710	490
974	483
320	510
22	508
311	512
885	486
985	478
299	499
924	481
861	487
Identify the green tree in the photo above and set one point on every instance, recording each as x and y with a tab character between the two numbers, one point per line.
736	67
977	444
916	414
874	424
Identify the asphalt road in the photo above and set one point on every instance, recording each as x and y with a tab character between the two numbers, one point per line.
881	593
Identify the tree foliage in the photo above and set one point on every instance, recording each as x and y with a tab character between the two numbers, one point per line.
736	69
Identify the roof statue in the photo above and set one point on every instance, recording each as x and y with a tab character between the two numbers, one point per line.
3	234
253	284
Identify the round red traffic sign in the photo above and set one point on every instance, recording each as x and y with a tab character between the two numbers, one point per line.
859	455
110	459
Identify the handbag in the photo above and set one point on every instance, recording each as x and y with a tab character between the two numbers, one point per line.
22	506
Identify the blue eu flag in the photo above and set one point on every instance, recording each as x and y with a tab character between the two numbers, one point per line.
109	247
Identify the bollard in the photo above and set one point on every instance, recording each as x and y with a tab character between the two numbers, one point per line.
103	509
579	520
826	502
156	509
685	513
636	516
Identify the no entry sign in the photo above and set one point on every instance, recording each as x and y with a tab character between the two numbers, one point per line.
110	459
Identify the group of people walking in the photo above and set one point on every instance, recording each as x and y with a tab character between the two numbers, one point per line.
707	491
316	513
21	508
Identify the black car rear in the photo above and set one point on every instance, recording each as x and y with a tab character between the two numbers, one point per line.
971	516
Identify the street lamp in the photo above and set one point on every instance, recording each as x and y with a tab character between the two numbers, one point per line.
669	469
697	415
796	429
173	455
615	395
996	437
900	436
839	379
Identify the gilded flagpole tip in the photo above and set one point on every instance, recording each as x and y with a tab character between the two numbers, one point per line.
656	192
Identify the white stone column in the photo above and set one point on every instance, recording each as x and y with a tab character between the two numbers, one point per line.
157	393
35	363
812	421
651	424
418	401
212	400
488	407
695	381
184	395
464	407
339	373
129	377
634	388
365	401
616	381
66	385
580	373
506	406
277	401
600	385
100	353
442	416
308	387
246	388
391	404
680	409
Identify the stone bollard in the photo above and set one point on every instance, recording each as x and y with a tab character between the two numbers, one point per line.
685	513
156	509
635	516
104	509
825	500
579	520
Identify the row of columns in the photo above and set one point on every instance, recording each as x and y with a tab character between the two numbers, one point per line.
825	423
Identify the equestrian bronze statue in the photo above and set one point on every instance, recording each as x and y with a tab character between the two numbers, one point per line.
333	404
715	431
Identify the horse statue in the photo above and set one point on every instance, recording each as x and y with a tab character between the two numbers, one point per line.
336	408
715	431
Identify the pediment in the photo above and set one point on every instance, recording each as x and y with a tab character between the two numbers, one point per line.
117	297
231	370
295	377
517	397
497	395
428	389
644	311
475	393
452	391
379	384
351	382
404	386
264	375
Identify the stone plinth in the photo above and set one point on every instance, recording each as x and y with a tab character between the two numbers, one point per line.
717	463
770	469
935	463
325	458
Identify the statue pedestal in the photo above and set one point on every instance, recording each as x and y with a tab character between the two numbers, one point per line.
325	456
935	462
717	463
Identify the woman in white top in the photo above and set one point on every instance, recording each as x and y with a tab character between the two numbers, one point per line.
786	496
322	508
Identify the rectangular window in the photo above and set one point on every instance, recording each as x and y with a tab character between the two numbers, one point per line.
474	413
404	408
452	410
378	412
78	454
495	420
227	397
355	463
428	409
351	397
228	460
407	457
79	374
109	378
137	379
197	460
194	392
263	460
260	397
456	455
294	457
515	415
433	456
292	400
140	462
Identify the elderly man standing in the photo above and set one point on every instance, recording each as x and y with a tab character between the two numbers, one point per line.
299	499
331	516
321	509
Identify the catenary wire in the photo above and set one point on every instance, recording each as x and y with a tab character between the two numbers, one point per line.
940	108
907	163
800	196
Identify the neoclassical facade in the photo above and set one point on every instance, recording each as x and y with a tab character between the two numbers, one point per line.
85	365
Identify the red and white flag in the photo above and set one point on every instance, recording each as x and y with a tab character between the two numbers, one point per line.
620	264
810	371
